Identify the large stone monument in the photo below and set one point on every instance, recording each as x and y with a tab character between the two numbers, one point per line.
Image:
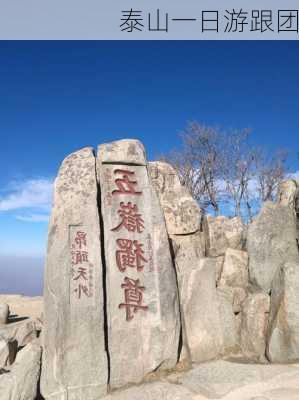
111	313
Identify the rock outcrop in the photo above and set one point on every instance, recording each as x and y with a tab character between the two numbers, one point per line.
8	352
283	341
223	233
21	332
210	329
21	382
274	267
142	290
271	243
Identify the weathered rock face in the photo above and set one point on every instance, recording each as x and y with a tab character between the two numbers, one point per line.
182	214
271	243
239	295
22	332
183	220
8	351
283	341
187	252
74	359
229	322
211	330
201	312
188	249
22	381
142	299
235	269
288	191
255	313
4	313
224	233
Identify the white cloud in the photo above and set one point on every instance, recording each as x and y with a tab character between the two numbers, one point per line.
293	175
33	217
32	197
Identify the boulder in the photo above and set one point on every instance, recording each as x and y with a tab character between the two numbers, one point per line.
210	327
8	352
22	332
142	297
235	269
187	252
283	335
4	313
22	381
223	233
181	211
74	358
287	193
201	313
255	313
271	243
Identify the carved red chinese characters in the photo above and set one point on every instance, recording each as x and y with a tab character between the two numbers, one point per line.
80	239
129	255
131	220
80	266
133	297
142	306
125	184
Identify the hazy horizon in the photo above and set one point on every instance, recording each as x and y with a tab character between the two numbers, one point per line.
21	275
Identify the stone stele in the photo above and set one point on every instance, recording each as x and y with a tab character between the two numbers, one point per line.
74	357
142	299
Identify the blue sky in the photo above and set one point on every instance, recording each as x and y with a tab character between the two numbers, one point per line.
56	97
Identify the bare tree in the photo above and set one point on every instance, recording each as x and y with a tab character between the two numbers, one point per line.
198	164
269	171
223	171
237	171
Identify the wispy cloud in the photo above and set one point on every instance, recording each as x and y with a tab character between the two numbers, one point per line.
32	199
293	175
33	217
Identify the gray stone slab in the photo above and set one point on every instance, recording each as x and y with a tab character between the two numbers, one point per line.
74	358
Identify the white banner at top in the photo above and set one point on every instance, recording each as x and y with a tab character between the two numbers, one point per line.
149	20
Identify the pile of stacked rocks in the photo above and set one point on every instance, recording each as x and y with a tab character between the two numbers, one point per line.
140	283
